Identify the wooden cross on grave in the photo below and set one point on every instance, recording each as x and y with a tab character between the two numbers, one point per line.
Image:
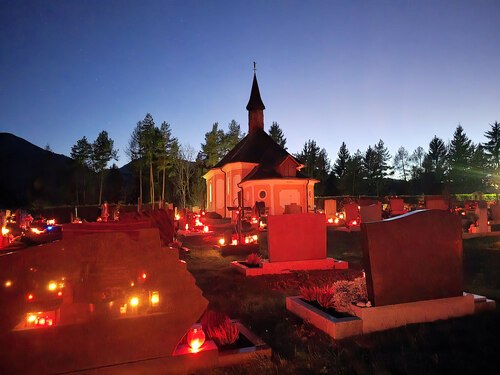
241	213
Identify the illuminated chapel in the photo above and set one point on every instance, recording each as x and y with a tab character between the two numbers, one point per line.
257	169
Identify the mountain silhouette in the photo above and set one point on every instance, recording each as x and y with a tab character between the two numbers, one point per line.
32	176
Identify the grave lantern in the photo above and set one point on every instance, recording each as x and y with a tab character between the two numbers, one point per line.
154	298
196	337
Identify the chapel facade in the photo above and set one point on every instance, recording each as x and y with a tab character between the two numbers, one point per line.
257	169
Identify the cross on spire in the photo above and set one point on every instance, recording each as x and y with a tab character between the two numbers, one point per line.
254	67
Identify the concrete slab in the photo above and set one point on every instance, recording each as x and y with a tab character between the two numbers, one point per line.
273	268
338	328
391	316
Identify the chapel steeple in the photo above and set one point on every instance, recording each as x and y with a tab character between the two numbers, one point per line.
255	107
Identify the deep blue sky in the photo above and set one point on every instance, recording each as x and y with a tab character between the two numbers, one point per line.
333	71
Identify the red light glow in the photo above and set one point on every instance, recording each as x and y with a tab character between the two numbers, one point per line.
30	297
196	338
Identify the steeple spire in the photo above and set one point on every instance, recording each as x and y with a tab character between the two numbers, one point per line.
255	101
255	107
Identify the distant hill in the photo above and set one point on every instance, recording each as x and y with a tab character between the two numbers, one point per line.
31	175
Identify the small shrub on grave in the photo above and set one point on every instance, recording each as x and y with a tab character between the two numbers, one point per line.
254	259
220	328
322	295
339	295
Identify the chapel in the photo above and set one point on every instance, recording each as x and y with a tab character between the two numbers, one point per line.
258	169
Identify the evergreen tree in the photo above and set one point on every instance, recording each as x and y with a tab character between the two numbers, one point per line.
492	147
354	173
316	164
166	155
478	173
435	159
81	152
340	166
371	168
231	138
135	153
277	134
151	144
102	153
211	153
459	158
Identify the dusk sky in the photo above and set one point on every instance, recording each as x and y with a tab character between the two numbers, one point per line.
332	71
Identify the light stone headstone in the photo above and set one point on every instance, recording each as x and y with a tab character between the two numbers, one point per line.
330	207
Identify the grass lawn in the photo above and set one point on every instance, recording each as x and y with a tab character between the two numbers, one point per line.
468	345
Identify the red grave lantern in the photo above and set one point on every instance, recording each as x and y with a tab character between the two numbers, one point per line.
196	337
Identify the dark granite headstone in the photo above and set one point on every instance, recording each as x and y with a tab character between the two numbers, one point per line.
413	257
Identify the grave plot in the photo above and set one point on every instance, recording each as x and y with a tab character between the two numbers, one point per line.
295	242
413	267
481	227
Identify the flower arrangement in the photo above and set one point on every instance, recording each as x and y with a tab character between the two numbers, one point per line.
254	259
338	296
220	328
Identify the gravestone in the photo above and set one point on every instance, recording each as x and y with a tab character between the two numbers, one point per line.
363	201
295	237
371	213
293	208
129	249
397	206
495	212
482	217
351	212
436	203
330	207
413	257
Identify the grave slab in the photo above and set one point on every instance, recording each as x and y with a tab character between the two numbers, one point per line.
338	328
391	316
272	268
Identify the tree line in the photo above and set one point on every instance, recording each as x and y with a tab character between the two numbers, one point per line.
164	170
459	166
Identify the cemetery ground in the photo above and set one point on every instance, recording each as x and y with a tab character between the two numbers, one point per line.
462	345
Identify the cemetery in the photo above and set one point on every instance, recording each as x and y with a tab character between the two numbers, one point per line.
263	279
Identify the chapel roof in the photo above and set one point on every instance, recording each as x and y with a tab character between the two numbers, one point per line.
255	147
